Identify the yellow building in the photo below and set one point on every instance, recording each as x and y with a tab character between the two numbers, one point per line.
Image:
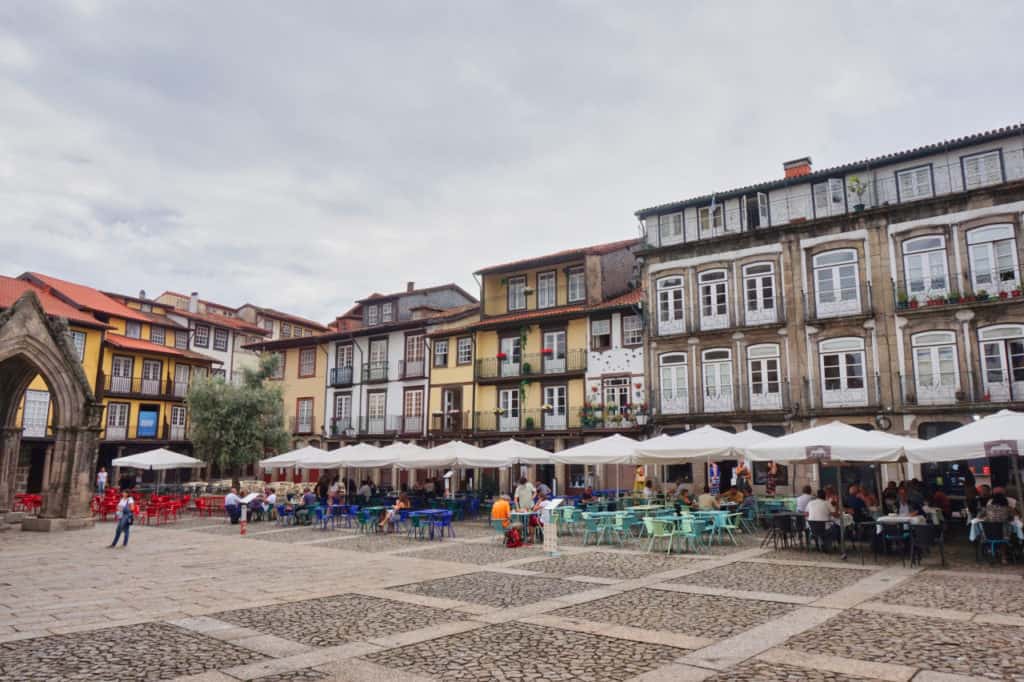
452	381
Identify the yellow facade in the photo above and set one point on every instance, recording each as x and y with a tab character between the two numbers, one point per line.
90	364
296	388
451	377
495	287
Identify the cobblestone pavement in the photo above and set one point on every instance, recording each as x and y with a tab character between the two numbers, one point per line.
338	619
304	675
496	589
472	529
930	643
151	651
934	590
379	542
692	614
641	544
612	565
482	554
760	671
805	581
515	651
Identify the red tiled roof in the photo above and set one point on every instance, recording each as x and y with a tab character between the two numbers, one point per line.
568	254
11	290
142	346
223	321
86	297
201	300
628	299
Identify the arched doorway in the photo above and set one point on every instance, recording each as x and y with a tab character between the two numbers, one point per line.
30	345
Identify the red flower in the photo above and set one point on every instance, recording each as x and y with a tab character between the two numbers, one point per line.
501	356
595	389
638	385
546	351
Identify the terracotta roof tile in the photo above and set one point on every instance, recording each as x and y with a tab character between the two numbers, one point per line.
223	321
86	297
288	317
11	290
628	299
142	346
568	254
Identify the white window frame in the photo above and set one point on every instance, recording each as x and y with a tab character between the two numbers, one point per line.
985	175
387	312
35	415
440	352
202	337
576	285
843	303
412	410
717	375
713	286
342	418
157	334
464	350
987	241
547	289
133	329
1000	383
556	419
935	387
930	285
516	299
307	368
220	339
601	327
372	315
760	307
671	305
674	399
829	198
915	183
711	219
844	395
670	228
78	341
762	361
632	330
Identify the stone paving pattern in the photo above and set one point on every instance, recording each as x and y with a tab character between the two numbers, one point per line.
304	675
149	651
692	614
953	592
496	589
805	581
761	671
611	565
991	651
339	619
515	651
485	554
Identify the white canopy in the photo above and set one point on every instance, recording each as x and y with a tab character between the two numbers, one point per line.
415	457
744	439
994	436
290	458
707	442
156	460
507	453
614	449
360	456
836	442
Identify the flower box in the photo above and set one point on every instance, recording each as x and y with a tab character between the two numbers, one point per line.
546	351
501	356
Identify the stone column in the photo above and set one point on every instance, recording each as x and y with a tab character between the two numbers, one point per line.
68	489
10	449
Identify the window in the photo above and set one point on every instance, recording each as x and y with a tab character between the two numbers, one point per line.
307	362
117	421
220	339
343	355
674	382
935	368
714	299
837	290
413	404
133	330
982	169
1002	357
829	198
181	340
993	255
387	312
670	227
36	413
415	355
268	325
553	351
759	293
914	183
286	330
151	373
546	297
842	372
716	366
616	391
304	415
157	334
577	285
465	351
376	409
632	330
555	407
179	415
670	305
378	365
371	315
342	412
711	219
924	267
202	336
279	371
516	293
441	353
78	339
600	334
765	382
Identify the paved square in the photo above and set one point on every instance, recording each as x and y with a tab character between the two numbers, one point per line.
376	542
973	595
761	671
150	651
930	643
496	589
612	565
691	614
804	581
339	619
481	554
515	651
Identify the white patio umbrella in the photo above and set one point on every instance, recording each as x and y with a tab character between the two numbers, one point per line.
507	453
290	458
415	457
707	442
360	456
158	460
614	449
834	442
745	439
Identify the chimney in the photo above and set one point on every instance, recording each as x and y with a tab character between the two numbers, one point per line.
797	167
142	294
410	287
193	302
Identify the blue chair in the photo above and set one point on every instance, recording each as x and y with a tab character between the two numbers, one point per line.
443	521
285	516
593	526
320	518
351	515
993	534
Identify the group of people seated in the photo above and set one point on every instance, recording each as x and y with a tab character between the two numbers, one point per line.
528	498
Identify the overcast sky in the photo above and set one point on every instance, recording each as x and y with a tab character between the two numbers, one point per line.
303	155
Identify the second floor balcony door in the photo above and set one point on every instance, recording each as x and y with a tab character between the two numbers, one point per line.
759	291
1002	357
924	263
993	253
714	300
413	412
554	362
936	380
121	374
181	378
717	373
117	421
415	354
512	352
842	373
151	370
765	380
342	413
451	409
508	406
378	370
836	287
178	416
304	416
555	417
674	385
376	417
670	306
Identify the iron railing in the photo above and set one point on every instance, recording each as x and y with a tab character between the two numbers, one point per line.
340	376
841	302
531	364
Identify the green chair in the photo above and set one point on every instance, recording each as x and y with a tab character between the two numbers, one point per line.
417	526
730	523
593	526
692	531
622	526
366	524
658	530
499	529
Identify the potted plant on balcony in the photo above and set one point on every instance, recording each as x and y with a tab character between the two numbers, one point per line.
858	187
527	368
501	356
546	352
953	297
1017	292
529	423
981	295
499	411
902	303
546	408
913	302
1003	295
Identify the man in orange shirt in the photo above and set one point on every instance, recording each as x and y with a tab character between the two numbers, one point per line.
500	510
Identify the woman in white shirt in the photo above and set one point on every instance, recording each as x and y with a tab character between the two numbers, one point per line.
125	517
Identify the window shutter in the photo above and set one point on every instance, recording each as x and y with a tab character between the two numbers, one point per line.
821	198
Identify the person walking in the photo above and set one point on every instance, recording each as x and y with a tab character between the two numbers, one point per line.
125	517
101	481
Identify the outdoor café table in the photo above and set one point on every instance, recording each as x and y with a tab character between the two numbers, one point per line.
645	509
718	518
975	532
605	518
894	520
524	518
429	515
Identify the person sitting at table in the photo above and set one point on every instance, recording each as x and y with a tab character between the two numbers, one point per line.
732	495
536	527
269	503
890	498
867	497
364	492
832	497
997	511
389	516
984	496
707	501
648	491
749	503
1009	500
233	506
588	495
501	510
683	493
542	487
820	511
855	506
304	511
805	497
937	498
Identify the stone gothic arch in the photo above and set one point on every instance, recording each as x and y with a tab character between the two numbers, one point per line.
31	344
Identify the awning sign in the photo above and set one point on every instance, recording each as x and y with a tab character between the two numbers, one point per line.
1001	448
818	453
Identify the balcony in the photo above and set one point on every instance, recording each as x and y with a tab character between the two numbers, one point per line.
341	427
843	302
454	422
760	315
340	377
959	389
853	393
164	389
301	426
375	372
921	296
531	364
766	396
533	420
412	369
391	425
170	432
177	432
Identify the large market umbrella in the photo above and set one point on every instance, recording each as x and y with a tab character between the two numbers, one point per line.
707	442
614	449
507	453
415	457
360	456
158	460
292	457
745	439
834	442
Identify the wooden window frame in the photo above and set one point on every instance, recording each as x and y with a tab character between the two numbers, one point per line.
458	341
163	334
312	414
591	332
195	338
227	340
434	353
622	329
299	363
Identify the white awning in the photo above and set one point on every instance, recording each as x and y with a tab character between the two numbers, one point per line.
157	460
507	453
997	435
290	458
707	442
415	457
835	442
614	449
360	456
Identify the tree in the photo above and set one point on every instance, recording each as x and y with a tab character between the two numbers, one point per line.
234	425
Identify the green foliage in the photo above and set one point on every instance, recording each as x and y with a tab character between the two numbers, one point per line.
235	425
